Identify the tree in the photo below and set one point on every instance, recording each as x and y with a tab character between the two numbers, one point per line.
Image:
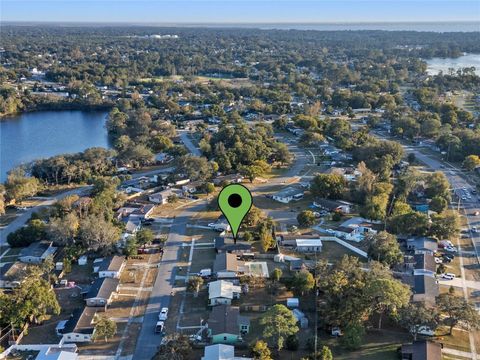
104	328
306	218
438	204
194	167
328	186
471	162
97	234
457	311
303	281
414	316
174	347
413	223
257	169
63	231
260	351
131	246
254	216
144	237
264	231
385	294
445	225
437	185
384	247
33	300
33	232
326	353
353	336
278	323
277	274
172	198
18	186
194	284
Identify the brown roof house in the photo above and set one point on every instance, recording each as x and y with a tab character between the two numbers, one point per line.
226	325
226	265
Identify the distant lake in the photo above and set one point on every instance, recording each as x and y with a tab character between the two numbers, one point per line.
30	136
435	65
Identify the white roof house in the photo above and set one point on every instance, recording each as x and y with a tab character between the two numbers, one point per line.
221	352
308	245
288	194
222	292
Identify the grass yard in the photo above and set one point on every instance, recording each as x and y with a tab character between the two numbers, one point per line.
202	259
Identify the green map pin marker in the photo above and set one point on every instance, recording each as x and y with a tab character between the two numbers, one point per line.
235	202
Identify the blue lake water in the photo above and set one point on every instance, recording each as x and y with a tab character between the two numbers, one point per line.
435	65
30	136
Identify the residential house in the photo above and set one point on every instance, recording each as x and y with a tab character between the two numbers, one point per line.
222	292
425	289
297	265
131	227
333	205
228	179
110	267
134	212
421	350
223	244
80	326
308	245
348	173
37	252
161	197
422	245
424	265
43	351
12	274
221	352
288	194
192	187
226	325
226	265
354	229
102	292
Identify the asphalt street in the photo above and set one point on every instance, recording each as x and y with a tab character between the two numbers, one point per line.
148	341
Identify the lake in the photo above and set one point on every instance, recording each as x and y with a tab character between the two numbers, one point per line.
435	65
30	136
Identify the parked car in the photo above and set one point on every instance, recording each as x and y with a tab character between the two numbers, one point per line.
448	276
163	314
450	249
159	327
438	260
425	331
474	229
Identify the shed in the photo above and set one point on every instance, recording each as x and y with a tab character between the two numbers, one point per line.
293	303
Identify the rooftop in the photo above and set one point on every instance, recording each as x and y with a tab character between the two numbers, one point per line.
289	191
225	262
226	319
102	288
111	263
222	288
81	321
37	249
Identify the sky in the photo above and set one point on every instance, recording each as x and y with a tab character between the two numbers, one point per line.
239	11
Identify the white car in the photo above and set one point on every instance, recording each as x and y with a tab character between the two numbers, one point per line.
448	276
163	314
464	197
438	260
423	330
474	229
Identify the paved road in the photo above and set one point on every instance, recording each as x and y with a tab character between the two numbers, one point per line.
189	144
148	341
